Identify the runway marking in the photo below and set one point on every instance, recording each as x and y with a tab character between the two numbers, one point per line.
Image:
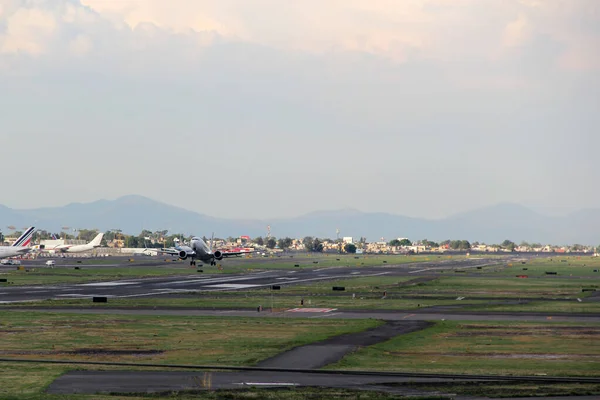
83	295
232	286
110	284
210	280
428	269
289	279
354	273
326	315
313	310
266	383
408	316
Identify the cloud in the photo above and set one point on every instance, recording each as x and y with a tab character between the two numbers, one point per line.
441	29
463	95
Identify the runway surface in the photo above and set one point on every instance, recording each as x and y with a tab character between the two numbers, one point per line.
93	382
150	381
169	285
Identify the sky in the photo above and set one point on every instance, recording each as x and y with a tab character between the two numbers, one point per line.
270	108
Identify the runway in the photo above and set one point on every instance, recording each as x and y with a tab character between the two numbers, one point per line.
148	382
169	285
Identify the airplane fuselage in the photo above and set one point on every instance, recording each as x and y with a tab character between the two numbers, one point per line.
199	250
12	251
75	249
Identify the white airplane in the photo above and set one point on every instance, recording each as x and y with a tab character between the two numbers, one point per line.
198	249
79	248
20	247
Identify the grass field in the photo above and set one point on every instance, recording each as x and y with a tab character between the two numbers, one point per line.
160	340
500	286
476	293
504	348
191	340
252	302
50	276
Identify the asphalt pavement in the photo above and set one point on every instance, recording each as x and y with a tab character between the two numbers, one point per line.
169	285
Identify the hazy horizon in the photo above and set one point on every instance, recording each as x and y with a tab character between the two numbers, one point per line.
263	109
552	213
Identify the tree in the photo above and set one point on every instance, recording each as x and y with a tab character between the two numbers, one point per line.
131	241
271	243
308	243
460	245
350	248
394	243
405	242
87	234
285	243
317	246
507	244
429	243
258	241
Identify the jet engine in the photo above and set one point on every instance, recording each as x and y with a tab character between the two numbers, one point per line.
182	255
218	255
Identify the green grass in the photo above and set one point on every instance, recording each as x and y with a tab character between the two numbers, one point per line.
564	266
43	275
540	306
148	339
495	286
180	340
504	348
507	389
241	301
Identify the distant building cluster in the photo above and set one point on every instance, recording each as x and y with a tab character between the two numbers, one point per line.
119	242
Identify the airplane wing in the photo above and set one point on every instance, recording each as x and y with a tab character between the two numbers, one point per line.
177	252
171	251
226	254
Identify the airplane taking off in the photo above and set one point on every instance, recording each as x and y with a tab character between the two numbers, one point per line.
69	248
198	249
20	247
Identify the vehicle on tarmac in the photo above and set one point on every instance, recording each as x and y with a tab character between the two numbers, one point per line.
9	261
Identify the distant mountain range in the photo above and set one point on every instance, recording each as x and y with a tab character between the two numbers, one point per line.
491	224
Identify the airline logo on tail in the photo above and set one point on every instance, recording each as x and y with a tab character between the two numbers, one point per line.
25	239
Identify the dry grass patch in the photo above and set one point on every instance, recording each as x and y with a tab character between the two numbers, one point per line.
498	348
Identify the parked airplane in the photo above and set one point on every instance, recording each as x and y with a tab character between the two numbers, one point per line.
20	247
198	249
79	248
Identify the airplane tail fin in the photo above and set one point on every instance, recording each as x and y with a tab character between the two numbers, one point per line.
25	239
97	240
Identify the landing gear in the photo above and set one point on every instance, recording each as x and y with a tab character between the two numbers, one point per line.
213	263
192	263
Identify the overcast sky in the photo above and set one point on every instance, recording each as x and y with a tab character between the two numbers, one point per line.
270	108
